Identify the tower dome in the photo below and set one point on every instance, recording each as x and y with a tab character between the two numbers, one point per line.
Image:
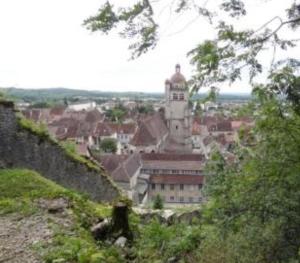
178	78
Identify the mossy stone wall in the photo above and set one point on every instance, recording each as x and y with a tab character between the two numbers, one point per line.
22	148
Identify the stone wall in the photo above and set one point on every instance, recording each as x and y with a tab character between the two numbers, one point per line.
23	148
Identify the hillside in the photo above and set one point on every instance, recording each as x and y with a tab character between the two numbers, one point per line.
43	222
59	94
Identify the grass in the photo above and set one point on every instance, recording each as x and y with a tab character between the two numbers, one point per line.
19	190
21	187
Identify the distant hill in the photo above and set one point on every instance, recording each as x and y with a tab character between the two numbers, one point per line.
62	93
59	94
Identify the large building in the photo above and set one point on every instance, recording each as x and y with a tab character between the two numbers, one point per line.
178	111
177	178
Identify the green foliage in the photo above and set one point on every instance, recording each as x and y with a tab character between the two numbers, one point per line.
41	105
19	187
158	242
158	202
140	24
109	145
253	214
116	114
145	109
24	183
70	249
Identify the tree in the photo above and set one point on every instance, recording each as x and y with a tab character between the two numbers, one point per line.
158	202
253	211
108	145
116	114
254	207
231	55
145	109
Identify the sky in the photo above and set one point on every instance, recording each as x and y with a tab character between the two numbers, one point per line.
43	44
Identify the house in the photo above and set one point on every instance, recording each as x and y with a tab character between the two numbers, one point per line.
124	131
82	106
150	135
124	170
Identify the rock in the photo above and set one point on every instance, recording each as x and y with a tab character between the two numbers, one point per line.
168	216
121	242
100	230
189	217
54	206
172	260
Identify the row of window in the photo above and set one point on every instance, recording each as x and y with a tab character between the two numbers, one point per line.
167	171
181	199
172	187
179	96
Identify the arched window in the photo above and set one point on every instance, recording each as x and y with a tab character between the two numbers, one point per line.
175	96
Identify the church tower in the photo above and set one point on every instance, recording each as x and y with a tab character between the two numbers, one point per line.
177	110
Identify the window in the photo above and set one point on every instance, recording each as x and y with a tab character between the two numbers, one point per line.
200	186
176	127
172	198
162	187
181	96
200	199
181	187
171	186
153	186
175	96
181	199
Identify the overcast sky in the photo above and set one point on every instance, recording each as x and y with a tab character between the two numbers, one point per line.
43	44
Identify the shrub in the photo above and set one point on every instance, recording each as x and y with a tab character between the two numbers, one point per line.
158	202
109	145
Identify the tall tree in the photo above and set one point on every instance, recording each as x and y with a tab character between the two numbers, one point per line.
231	55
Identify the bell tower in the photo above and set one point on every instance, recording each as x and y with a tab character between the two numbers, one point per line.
177	111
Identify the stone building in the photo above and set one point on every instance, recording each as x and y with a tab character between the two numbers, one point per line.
177	178
177	110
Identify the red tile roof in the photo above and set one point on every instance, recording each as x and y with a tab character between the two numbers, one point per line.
127	169
123	128
58	110
150	131
94	116
172	157
111	161
103	129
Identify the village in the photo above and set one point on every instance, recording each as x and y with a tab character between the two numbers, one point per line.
150	148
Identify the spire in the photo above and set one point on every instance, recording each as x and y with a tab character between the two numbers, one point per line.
177	68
